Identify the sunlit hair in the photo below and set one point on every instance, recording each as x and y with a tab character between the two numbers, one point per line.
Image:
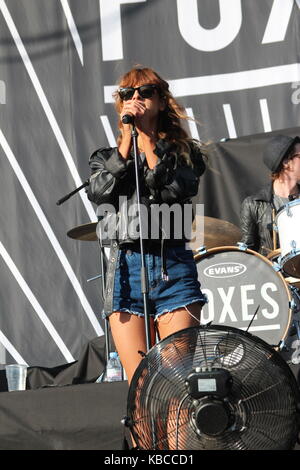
169	124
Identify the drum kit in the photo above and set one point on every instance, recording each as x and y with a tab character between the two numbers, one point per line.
245	289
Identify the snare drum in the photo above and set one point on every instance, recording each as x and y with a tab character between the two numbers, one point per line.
243	289
288	223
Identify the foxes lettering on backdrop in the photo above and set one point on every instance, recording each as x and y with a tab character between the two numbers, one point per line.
233	64
191	30
209	40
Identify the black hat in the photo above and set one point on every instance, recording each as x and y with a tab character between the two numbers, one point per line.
277	149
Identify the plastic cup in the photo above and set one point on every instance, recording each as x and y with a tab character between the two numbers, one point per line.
16	376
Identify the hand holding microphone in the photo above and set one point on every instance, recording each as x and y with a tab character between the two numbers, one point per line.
128	119
138	113
132	111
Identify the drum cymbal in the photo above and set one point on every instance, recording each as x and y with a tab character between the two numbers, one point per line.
85	232
216	232
293	281
213	232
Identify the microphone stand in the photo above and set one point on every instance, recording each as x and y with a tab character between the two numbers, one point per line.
144	277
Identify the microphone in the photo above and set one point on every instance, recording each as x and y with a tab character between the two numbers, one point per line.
128	119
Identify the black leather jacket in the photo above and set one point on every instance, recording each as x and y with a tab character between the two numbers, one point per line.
256	221
170	181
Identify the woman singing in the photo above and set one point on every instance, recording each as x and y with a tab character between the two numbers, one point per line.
170	166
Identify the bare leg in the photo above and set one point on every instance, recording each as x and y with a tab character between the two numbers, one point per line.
129	336
128	332
179	319
168	324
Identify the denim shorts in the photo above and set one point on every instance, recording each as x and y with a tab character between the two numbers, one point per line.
181	289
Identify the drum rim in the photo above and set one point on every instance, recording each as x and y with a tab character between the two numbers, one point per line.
217	249
295	202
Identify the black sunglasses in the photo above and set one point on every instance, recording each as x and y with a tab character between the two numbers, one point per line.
145	91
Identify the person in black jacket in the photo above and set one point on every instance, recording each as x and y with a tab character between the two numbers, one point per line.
170	166
258	212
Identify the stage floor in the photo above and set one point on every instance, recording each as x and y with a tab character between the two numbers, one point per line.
67	417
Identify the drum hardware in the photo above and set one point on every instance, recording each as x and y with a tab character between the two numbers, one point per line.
295	329
242	246
201	250
87	232
296	292
288	210
293	304
297	326
291	350
281	346
276	266
293	246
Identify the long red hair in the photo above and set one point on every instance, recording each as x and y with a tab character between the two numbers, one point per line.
169	120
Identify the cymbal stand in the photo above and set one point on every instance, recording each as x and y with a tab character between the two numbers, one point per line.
102	274
296	310
103	283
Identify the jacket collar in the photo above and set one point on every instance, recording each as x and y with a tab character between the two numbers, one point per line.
266	193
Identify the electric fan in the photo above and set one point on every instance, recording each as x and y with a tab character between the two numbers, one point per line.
213	388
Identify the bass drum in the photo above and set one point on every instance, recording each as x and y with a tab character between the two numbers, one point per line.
244	291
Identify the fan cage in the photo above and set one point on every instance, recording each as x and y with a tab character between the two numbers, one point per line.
263	401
